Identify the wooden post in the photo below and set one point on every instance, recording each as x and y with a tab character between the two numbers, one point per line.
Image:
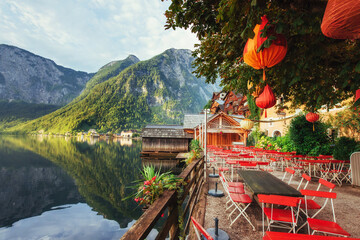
174	228
205	148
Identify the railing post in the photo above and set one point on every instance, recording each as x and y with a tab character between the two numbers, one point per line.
174	230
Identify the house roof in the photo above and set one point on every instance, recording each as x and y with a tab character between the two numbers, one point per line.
193	120
165	131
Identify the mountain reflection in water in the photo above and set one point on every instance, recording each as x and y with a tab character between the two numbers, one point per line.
42	174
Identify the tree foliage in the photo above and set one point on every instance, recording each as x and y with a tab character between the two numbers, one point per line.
344	147
306	140
347	121
316	70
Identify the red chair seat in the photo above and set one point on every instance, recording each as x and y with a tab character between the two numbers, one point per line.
236	184
236	190
240	198
326	226
311	204
283	215
223	169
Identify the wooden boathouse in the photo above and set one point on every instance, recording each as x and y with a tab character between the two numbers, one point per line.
164	140
222	129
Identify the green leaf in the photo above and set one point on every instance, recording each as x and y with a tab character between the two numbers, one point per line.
357	67
279	28
295	80
253	3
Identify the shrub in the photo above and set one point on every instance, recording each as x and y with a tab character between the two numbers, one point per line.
285	143
344	147
267	143
254	136
307	141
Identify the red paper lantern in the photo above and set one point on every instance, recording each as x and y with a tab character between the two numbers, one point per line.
341	19
266	99
312	117
267	57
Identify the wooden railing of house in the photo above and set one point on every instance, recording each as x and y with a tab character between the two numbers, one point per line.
193	174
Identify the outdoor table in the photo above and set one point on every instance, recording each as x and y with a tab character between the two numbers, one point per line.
316	165
260	182
292	236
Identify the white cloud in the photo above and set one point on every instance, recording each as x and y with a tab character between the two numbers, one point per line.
86	35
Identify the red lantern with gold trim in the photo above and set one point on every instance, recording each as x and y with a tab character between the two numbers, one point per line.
266	99
267	57
312	117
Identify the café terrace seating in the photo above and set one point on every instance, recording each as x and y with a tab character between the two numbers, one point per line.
293	207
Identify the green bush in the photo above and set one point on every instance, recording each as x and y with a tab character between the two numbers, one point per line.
285	143
307	141
195	145
267	143
344	147
254	136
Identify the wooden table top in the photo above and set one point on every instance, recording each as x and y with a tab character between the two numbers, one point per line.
261	182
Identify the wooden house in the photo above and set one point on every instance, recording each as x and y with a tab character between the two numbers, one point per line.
222	129
230	103
235	104
127	134
165	139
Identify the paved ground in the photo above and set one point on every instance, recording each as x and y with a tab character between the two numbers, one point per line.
347	211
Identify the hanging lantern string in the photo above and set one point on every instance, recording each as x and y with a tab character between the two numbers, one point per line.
271	121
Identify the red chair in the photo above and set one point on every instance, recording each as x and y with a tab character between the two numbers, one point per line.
324	226
305	177
311	204
200	230
278	217
291	172
292	236
237	200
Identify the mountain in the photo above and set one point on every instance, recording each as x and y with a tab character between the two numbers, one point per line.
159	90
110	70
27	77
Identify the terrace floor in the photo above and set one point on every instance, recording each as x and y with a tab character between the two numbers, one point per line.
347	209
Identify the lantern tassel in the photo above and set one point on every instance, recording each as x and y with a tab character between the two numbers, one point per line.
313	127
265	114
264	76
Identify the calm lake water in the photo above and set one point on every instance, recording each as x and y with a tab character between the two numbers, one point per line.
67	188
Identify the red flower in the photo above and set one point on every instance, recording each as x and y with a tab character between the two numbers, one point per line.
162	215
154	178
136	199
147	183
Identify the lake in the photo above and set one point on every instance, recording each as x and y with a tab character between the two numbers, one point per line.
67	188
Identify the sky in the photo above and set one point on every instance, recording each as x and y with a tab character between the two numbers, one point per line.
86	34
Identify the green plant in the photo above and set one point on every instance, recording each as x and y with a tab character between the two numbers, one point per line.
285	143
307	141
195	150
254	137
153	184
195	145
267	143
344	147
